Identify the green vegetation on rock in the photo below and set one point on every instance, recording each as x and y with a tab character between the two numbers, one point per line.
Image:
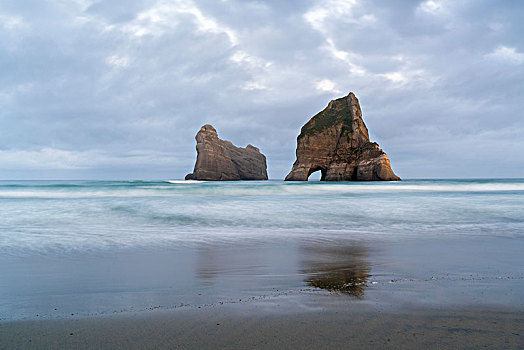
340	112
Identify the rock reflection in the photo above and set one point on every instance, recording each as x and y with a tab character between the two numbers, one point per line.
208	262
341	269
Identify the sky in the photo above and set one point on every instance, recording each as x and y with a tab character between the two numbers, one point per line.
117	89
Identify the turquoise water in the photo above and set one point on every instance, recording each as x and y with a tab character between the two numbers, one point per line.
71	248
46	217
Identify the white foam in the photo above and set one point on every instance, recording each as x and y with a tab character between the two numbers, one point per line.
252	189
399	187
184	182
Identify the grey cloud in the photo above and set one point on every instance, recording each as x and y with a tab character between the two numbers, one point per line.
117	89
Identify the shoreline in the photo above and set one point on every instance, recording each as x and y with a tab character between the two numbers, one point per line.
278	323
423	273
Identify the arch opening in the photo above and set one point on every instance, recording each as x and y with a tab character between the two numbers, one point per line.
316	174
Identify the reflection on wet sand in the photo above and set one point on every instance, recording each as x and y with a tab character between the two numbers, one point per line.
244	265
342	269
208	265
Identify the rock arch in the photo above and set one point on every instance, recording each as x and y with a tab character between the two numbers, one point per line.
336	141
314	170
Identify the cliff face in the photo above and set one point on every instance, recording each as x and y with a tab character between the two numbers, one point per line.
336	142
219	160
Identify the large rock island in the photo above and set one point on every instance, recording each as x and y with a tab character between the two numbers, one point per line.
336	142
219	160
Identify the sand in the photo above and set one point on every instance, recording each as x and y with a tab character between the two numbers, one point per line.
278	323
410	294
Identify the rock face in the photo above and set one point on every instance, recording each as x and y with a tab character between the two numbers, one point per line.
336	142
220	160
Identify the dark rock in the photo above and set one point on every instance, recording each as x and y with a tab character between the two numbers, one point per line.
336	142
219	160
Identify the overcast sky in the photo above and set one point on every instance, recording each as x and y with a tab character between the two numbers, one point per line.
117	89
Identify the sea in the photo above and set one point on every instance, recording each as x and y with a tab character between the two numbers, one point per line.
84	248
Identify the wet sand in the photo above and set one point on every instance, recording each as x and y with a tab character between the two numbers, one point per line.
410	294
278	324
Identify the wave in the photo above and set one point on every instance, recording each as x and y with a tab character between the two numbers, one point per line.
184	182
399	187
241	189
79	194
41	186
63	240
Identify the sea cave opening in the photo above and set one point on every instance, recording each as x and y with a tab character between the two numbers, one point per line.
317	174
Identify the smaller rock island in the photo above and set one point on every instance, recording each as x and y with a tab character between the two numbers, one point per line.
336	142
220	160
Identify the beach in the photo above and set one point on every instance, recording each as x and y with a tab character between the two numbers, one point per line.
276	324
433	264
237	174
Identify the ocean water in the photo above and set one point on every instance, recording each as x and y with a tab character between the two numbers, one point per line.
88	247
46	217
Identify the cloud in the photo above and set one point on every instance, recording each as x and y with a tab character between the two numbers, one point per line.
321	18
414	78
67	160
12	22
164	16
432	7
118	89
507	54
327	12
327	85
118	61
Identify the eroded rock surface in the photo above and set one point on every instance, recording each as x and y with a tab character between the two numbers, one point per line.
336	142
220	160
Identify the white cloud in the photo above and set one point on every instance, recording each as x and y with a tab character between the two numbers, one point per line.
254	85
118	61
12	22
507	54
207	24
164	17
58	159
396	77
322	16
259	69
73	9
330	10
45	158
154	21
243	57
333	11
327	85
414	77
432	7
345	56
